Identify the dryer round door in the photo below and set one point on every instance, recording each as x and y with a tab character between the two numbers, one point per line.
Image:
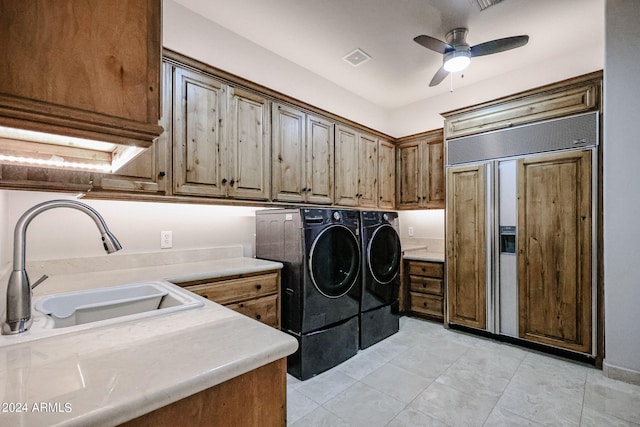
334	261
384	253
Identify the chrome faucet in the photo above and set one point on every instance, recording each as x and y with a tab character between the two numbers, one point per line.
19	290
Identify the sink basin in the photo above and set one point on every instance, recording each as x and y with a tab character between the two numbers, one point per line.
118	303
77	308
75	311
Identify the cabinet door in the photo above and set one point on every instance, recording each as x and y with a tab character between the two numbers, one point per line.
82	68
409	173
198	147
150	171
249	153
466	246
368	172
555	249
319	160
387	175
288	154
434	187
346	166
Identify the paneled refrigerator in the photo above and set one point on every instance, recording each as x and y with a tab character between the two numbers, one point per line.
521	233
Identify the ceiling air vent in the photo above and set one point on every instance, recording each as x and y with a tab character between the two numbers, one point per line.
487	3
357	57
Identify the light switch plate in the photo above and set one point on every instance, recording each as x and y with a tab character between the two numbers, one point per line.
410	231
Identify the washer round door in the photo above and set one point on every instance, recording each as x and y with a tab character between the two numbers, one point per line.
384	253
334	261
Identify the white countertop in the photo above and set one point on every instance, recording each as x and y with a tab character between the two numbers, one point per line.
423	254
107	375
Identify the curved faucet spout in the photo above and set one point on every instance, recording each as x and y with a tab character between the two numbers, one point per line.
19	290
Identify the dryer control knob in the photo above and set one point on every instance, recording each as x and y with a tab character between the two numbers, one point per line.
385	217
336	216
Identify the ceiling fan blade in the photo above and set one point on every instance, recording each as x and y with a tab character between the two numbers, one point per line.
440	75
433	44
499	45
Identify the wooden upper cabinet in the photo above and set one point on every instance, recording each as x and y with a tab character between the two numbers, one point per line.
347	160
302	156
150	171
466	246
387	175
356	168
220	139
199	104
573	96
555	249
319	160
368	171
249	168
421	172
87	69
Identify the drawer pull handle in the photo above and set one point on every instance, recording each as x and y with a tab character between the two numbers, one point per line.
424	304
205	296
241	305
258	316
258	287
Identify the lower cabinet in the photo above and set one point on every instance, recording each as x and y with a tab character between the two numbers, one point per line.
257	398
426	289
256	296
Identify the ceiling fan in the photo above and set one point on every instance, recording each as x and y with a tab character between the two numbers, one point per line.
457	52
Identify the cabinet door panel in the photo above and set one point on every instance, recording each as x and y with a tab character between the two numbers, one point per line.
319	160
198	143
249	170
409	175
149	172
387	175
466	246
435	185
554	249
346	166
288	154
368	172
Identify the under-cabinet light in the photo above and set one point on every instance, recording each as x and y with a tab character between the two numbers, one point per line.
55	162
31	148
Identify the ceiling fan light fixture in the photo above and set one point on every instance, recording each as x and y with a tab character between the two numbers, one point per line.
456	61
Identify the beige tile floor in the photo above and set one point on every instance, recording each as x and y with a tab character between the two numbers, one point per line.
426	375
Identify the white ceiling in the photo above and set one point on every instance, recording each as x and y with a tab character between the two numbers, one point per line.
317	34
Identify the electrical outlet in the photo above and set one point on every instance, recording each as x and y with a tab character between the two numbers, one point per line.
166	239
410	231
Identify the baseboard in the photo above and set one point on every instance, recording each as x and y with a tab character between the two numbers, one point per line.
622	374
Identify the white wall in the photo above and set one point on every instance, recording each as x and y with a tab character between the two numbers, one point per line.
66	233
190	34
427	224
621	193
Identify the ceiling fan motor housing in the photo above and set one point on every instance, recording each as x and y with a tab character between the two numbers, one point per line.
458	58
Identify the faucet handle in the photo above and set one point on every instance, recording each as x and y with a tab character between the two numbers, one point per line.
40	280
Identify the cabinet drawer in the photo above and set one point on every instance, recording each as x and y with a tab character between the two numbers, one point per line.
229	291
426	284
263	309
426	304
432	269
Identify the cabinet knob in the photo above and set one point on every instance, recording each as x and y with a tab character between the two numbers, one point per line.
224	181
233	181
162	174
258	287
309	190
258	316
304	190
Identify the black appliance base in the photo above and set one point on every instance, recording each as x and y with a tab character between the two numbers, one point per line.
378	324
323	349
